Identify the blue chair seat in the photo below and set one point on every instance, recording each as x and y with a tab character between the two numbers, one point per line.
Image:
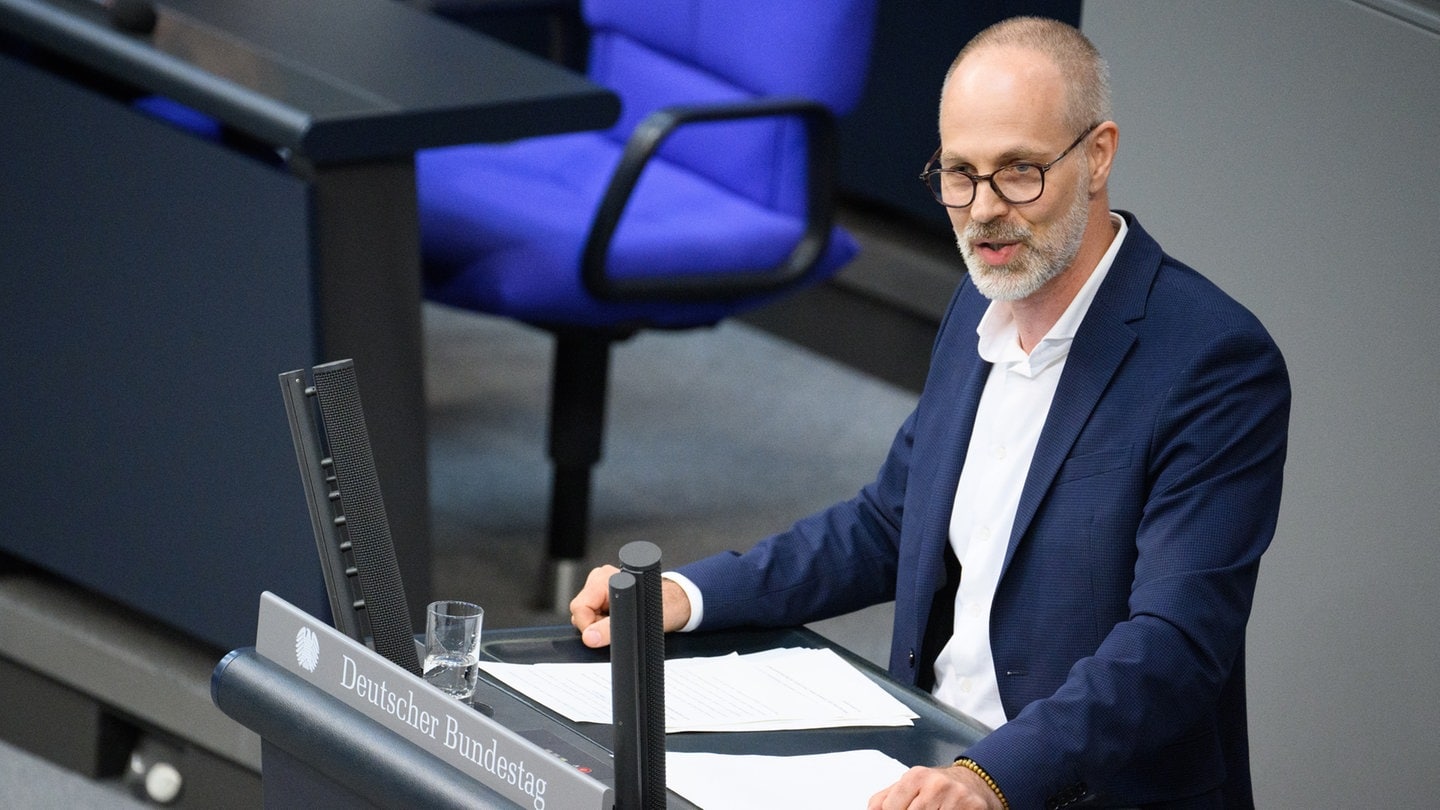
551	186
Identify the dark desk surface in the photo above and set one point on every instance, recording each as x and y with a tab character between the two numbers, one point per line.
938	736
332	80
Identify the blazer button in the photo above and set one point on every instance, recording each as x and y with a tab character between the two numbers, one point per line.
912	659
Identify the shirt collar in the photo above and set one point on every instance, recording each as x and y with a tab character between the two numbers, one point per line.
1000	339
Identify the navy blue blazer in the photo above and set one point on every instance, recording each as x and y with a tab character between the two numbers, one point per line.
1118	625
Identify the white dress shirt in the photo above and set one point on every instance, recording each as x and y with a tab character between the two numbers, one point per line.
1012	411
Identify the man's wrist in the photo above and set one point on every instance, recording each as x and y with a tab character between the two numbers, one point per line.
974	767
692	595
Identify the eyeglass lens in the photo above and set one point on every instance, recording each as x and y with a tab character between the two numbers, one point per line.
1020	183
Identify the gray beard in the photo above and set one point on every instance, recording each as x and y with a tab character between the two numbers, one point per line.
1039	261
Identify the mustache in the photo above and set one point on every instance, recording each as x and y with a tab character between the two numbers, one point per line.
994	232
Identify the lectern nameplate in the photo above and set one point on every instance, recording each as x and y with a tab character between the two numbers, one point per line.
366	681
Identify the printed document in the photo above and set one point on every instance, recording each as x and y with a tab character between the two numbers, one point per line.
788	688
845	779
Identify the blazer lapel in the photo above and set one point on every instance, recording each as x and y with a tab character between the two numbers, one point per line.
1101	344
962	400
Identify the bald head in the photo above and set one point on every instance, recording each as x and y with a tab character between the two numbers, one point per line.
1083	74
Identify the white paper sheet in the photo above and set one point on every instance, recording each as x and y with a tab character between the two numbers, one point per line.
837	781
792	688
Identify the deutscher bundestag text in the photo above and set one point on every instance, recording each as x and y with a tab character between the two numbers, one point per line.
403	708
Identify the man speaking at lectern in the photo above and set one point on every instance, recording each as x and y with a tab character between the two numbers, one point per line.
1071	520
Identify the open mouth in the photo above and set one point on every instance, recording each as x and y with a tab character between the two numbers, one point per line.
995	252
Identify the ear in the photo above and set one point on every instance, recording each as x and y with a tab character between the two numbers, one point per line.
1101	153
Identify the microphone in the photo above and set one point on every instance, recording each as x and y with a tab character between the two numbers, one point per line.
132	16
637	677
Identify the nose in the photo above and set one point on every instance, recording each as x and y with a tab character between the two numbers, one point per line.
987	206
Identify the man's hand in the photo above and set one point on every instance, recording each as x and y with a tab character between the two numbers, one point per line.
952	788
590	609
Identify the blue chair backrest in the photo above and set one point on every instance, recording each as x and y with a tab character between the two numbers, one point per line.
661	53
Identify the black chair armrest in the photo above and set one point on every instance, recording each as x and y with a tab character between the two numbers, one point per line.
646	140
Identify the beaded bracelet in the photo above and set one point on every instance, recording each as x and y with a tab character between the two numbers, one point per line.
974	767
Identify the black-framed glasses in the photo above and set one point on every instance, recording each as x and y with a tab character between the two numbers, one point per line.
1016	183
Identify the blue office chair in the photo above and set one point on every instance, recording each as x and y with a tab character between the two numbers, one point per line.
712	195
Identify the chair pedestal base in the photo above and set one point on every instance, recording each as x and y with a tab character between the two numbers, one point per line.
577	427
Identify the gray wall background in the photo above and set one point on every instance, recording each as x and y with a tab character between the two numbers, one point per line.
1288	149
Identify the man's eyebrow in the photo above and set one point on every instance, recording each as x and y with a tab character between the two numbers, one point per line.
1014	154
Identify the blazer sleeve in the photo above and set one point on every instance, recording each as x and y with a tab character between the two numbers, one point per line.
840	559
845	557
1215	458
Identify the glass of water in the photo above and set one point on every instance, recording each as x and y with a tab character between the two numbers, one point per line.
452	647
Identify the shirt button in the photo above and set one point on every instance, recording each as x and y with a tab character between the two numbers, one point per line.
1000	451
965	685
